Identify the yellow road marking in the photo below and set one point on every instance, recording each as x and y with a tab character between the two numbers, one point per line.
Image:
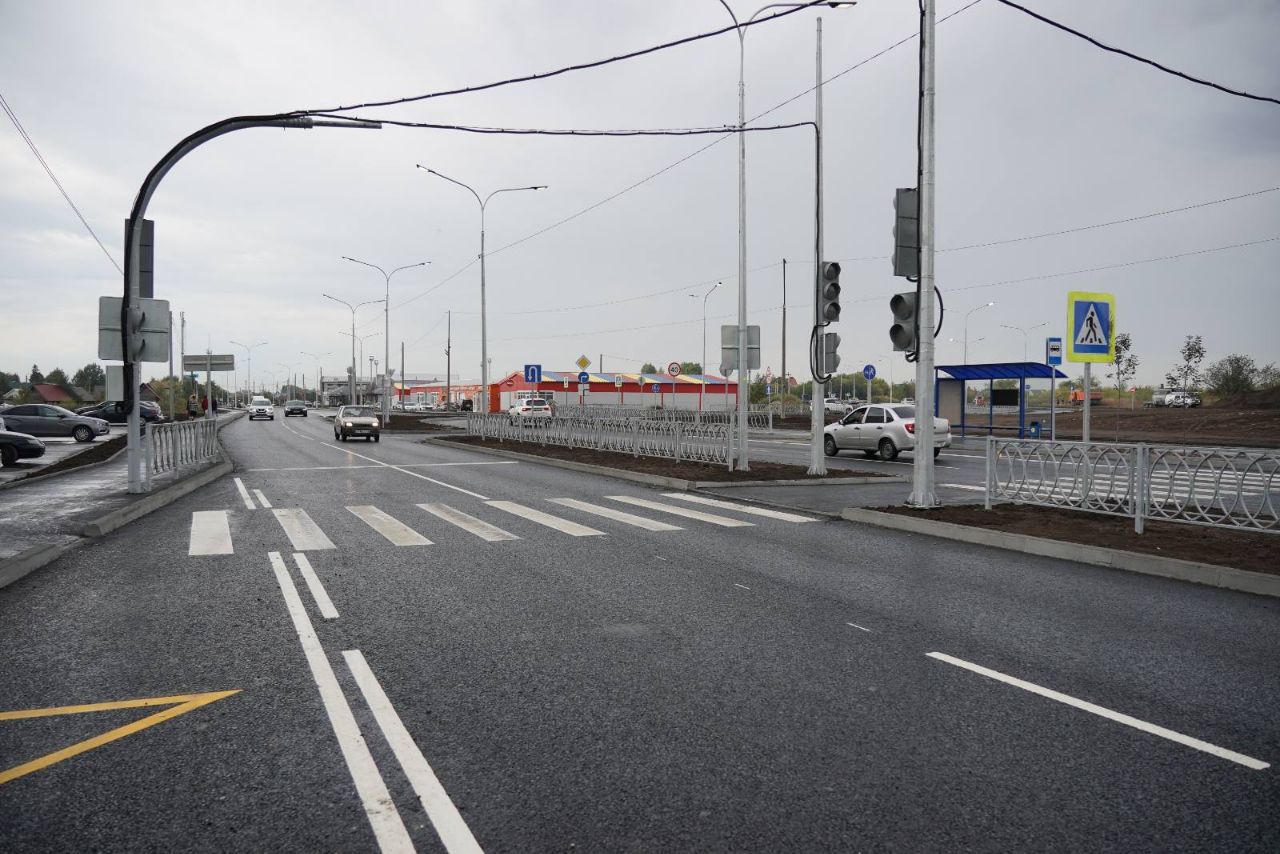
179	704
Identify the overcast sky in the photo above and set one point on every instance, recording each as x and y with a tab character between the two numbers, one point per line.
1037	132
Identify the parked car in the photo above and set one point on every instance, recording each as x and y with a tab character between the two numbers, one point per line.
529	407
836	405
1185	399
295	407
260	407
884	430
357	421
114	412
18	446
466	406
41	419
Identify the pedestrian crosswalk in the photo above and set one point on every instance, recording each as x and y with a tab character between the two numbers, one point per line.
491	521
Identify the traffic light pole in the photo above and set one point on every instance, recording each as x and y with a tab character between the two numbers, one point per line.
817	399
923	493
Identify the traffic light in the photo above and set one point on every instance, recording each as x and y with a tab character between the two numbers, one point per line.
906	233
903	331
830	358
829	292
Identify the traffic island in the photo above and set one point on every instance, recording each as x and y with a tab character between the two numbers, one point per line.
1220	557
97	452
401	423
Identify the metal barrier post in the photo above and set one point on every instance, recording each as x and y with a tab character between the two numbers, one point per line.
679	436
1140	489
991	471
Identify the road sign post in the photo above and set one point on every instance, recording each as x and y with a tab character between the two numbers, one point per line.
1091	319
1053	358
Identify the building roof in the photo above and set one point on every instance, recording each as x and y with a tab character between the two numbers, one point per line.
646	379
1002	371
50	393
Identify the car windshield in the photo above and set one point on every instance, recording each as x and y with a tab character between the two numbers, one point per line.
261	401
294	403
538	404
904	411
357	412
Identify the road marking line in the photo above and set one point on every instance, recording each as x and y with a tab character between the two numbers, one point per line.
573	529
469	523
967	486
302	531
406	471
660	557
741	508
444	815
396	532
856	626
687	512
318	593
388	828
179	705
210	533
262	499
1118	717
615	515
743	586
244	494
400	465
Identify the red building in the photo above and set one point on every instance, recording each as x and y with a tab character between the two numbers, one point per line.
687	391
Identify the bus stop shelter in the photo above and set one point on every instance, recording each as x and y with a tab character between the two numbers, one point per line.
951	400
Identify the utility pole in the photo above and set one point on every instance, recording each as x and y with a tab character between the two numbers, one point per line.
817	398
785	388
448	360
403	384
923	493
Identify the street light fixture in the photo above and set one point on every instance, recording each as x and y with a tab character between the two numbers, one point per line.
386	310
316	357
703	364
484	328
1024	335
966	328
351	386
248	348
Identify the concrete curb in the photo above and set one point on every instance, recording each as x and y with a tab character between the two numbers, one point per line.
26	562
156	500
1164	567
837	481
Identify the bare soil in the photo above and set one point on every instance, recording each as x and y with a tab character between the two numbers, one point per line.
801	422
1216	425
1240	549
405	423
760	470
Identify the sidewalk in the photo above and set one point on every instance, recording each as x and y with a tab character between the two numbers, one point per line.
56	450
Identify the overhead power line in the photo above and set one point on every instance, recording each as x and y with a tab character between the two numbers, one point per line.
1166	69
26	137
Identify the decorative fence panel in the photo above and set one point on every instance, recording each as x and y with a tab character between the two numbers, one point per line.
756	420
668	439
169	447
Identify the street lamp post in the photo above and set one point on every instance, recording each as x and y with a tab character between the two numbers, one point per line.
386	309
351	386
1024	335
704	339
966	328
248	349
316	357
484	328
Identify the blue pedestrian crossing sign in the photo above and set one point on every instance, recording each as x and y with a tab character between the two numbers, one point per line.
1091	322
533	373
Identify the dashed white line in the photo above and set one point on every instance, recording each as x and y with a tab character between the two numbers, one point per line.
302	531
1118	717
318	593
856	626
244	494
262	499
210	533
743	586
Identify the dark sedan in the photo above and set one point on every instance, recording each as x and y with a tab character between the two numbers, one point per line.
295	407
113	412
18	446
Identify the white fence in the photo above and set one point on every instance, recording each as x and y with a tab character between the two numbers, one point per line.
1223	487
668	439
170	447
756	420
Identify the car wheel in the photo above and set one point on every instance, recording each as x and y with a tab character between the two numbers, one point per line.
829	445
936	452
273	418
8	456
82	434
304	415
888	450
368	438
377	438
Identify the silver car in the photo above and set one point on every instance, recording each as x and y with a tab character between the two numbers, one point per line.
41	419
882	430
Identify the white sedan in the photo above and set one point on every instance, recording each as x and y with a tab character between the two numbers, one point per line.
882	430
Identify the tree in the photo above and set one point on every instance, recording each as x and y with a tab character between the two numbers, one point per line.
9	382
35	376
691	367
648	368
57	377
1268	376
89	377
1125	364
1187	374
1234	374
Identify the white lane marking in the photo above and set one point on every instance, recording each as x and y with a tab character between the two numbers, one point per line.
244	494
573	529
469	523
616	515
687	512
446	819
743	586
406	471
318	593
302	531
660	557
401	465
741	508
396	532
1118	717
967	486
262	499
388	828
856	626
210	533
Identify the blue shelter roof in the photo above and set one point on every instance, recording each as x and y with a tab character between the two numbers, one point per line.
1002	371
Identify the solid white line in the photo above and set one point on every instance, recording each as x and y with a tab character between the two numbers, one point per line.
396	532
967	486
741	508
318	593
210	533
262	499
406	471
856	626
687	512
743	586
469	523
1118	717
573	529
446	819
244	494
302	531
401	465
616	515
387	826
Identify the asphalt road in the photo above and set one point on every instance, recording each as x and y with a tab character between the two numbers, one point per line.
527	685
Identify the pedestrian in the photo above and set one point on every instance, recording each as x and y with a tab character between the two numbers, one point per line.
204	403
215	407
192	407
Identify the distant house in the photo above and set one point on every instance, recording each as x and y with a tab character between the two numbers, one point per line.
84	396
14	395
52	394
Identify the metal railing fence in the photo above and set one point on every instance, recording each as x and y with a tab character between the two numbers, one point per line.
756	419
1223	487
170	447
667	439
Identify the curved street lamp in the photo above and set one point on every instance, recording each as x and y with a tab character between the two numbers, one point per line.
351	385
386	309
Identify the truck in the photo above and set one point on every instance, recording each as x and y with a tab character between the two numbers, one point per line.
1077	396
